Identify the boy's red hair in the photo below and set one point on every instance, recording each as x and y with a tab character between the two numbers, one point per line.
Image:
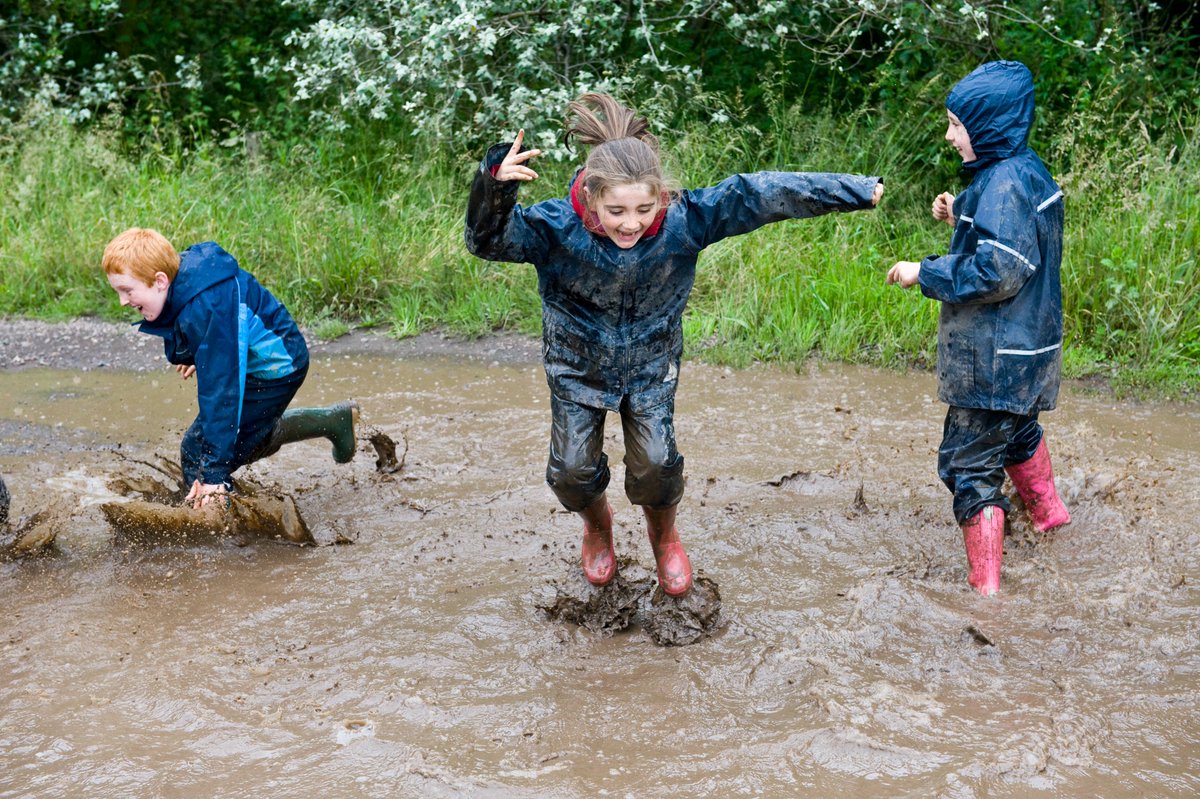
141	252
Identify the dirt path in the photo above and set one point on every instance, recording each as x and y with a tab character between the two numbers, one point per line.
414	662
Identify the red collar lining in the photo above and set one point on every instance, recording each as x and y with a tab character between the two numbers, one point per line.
592	222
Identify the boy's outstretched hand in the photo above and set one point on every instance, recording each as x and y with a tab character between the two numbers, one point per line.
905	273
943	208
513	166
878	193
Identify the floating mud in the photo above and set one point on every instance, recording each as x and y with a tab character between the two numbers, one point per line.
634	595
851	658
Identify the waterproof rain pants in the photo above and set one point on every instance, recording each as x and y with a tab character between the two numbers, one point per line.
264	402
578	472
976	446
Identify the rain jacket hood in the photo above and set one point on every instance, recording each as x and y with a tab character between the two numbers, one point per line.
218	318
995	105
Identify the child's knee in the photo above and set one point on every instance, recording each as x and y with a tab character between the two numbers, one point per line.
577	484
656	482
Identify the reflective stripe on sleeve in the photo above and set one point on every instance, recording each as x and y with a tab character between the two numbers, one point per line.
1049	201
1029	352
1010	251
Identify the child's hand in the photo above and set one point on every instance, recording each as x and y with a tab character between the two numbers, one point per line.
878	195
905	273
206	494
943	208
513	166
185	371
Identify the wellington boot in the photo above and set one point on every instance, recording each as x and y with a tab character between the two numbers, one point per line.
674	568
5	500
599	557
335	422
984	536
1034	480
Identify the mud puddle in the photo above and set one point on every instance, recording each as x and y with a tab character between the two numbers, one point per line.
851	658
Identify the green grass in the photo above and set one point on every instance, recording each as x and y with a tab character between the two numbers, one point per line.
367	232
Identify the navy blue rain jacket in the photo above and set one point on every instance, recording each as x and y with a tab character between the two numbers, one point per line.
612	318
1000	332
218	318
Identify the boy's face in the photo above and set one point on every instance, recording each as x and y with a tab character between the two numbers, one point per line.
147	300
956	134
626	212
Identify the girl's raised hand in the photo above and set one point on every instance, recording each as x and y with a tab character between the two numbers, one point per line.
513	166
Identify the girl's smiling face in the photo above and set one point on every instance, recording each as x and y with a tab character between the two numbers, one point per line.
626	212
956	134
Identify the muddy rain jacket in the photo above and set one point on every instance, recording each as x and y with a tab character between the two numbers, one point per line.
612	318
1000	331
218	318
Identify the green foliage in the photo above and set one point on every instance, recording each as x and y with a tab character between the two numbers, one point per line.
363	230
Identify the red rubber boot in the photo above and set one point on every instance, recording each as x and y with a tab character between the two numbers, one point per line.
599	558
1034	480
984	536
674	568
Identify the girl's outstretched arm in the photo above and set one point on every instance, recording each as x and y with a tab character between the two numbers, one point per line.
746	202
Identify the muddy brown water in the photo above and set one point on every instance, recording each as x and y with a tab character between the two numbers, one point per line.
853	659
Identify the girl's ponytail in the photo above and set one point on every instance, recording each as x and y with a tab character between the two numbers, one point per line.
624	151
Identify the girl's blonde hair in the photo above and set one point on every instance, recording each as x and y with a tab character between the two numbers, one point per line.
624	151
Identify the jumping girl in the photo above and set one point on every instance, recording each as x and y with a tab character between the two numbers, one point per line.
616	260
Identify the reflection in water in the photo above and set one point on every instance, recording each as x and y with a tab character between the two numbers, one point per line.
853	660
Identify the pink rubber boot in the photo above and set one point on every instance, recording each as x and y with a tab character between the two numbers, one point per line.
599	558
674	568
984	536
1034	480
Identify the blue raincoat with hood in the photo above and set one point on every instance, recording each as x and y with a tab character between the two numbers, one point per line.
1000	332
218	318
612	318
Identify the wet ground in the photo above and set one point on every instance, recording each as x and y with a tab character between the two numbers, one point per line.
852	659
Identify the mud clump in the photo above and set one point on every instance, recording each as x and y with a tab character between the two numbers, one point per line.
634	596
152	513
386	460
679	621
606	609
269	517
32	536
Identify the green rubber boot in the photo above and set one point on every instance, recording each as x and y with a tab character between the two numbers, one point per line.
335	422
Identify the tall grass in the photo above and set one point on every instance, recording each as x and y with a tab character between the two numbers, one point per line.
368	232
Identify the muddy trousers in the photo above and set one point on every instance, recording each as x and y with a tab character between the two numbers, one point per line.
976	446
262	405
578	472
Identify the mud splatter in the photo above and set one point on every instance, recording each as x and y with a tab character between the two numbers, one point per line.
31	536
679	621
634	596
607	609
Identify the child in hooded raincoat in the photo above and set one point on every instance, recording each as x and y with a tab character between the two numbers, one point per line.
1000	331
249	359
616	260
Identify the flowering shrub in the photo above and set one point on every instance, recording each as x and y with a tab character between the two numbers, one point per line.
478	69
